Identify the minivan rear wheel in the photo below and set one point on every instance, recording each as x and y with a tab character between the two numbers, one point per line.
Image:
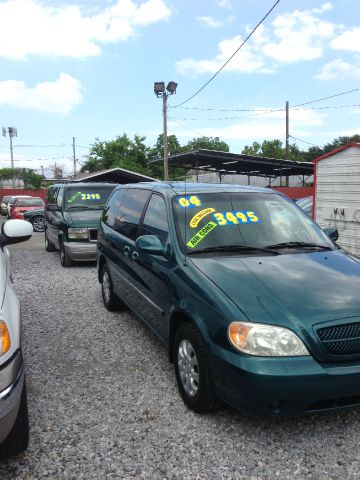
111	301
192	370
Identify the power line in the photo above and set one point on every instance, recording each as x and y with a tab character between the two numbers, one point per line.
304	141
230	58
325	98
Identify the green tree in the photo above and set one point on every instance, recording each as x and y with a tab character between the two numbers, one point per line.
30	178
273	149
206	143
121	152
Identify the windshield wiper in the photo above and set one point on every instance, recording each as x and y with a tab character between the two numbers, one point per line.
298	245
79	207
232	248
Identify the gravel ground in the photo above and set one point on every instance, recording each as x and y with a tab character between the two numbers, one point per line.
103	402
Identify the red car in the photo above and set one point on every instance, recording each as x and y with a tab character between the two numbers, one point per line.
23	205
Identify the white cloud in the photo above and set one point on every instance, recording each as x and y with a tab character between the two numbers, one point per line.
349	40
210	22
28	27
339	68
292	37
60	96
224	3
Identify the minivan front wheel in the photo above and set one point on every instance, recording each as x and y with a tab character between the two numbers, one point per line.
192	370
65	260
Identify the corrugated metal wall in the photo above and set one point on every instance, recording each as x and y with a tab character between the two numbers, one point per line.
337	196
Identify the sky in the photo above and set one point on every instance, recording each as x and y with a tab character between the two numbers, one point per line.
86	69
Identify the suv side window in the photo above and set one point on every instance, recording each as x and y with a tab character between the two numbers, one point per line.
60	197
155	220
52	195
130	212
111	213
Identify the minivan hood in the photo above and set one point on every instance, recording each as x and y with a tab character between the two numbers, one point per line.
83	218
303	288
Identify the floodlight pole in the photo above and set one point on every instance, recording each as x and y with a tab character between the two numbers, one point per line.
166	157
159	90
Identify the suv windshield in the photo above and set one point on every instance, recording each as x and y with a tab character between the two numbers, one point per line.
86	198
214	221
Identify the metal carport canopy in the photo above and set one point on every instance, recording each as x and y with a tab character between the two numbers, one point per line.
233	163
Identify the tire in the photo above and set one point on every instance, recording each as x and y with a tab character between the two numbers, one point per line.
18	438
111	301
65	260
38	224
192	370
49	247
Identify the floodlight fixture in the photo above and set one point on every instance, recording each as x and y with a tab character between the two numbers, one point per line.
159	88
171	87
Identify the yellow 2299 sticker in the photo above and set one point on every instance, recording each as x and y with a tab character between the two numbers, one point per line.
201	234
194	222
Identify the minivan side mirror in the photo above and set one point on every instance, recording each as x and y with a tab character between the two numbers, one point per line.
15	231
332	233
52	207
149	244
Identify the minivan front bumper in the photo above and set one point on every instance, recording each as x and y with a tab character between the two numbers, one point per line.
263	386
11	385
81	251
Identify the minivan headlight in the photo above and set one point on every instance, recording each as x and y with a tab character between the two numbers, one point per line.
265	340
4	339
78	233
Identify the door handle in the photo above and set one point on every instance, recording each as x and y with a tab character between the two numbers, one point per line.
135	256
127	250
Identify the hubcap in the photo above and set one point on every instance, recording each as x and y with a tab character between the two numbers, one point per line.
188	368
62	254
38	224
106	287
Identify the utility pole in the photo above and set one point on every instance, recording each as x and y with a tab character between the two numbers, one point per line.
287	132
159	90
12	133
287	139
74	157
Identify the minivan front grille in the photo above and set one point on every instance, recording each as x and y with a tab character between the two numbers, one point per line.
93	234
341	339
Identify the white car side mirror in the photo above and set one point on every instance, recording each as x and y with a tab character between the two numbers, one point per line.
15	231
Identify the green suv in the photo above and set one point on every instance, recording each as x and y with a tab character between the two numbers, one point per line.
72	215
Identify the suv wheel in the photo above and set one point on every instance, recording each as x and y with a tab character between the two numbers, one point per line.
18	438
111	301
65	260
49	247
192	370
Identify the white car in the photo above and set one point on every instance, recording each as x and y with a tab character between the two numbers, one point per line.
14	424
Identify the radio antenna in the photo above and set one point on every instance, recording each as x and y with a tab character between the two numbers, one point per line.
185	223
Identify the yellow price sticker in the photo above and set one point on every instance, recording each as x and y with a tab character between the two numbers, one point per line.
194	222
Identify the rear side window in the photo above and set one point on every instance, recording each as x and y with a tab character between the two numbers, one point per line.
112	210
129	214
155	220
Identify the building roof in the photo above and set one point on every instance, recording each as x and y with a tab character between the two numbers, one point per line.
233	163
337	150
112	175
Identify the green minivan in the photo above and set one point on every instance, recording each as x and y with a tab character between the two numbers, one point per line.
257	306
72	215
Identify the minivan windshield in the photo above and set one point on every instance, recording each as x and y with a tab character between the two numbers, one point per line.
244	221
30	202
88	198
